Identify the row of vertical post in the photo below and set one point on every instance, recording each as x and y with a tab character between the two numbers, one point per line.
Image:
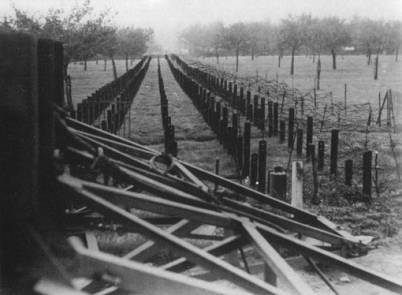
108	106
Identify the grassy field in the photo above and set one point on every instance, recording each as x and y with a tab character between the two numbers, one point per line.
351	69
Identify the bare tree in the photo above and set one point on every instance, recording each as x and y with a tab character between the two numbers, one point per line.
236	38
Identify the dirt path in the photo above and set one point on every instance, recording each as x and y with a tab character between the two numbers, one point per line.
196	141
146	120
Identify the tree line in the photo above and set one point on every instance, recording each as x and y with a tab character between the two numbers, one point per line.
84	34
294	35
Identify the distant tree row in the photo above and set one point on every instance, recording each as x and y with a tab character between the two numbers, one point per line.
294	35
85	35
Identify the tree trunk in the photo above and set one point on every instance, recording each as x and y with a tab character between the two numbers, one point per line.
396	53
376	65
126	62
368	56
217	57
279	60
85	64
104	64
333	59
252	53
237	59
292	63
114	67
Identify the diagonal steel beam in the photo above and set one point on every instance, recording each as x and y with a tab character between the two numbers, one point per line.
276	262
331	259
139	278
150	248
220	268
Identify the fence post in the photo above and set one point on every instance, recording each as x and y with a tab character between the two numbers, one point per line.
270	119
246	158
299	142
275	119
291	120
367	160
311	148
255	110
309	135
254	171
278	183
262	163
321	150
282	127
262	114
296	199
348	172
334	151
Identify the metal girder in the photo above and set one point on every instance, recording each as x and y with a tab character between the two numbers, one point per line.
287	223
331	259
220	268
151	203
150	248
223	247
298	214
139	278
276	262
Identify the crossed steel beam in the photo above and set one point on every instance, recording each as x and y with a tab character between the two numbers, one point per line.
125	175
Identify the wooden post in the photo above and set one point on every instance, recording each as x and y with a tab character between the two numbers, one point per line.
321	150
234	98
367	160
299	142
346	98
291	120
282	127
309	135
376	68
270	119
278	184
246	158
248	103
334	151
241	100
275	119
262	165
348	172
296	199
315	175
262	114
254	171
255	110
315	98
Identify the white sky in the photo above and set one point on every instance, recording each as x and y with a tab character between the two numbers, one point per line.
167	17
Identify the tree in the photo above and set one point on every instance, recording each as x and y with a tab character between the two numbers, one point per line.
133	42
395	37
293	33
336	35
214	35
236	37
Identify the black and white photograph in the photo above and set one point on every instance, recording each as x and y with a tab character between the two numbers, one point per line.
201	147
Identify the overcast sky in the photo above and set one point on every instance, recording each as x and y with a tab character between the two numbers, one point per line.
167	17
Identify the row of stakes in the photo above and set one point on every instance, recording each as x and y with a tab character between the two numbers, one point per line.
253	166
168	128
108	106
